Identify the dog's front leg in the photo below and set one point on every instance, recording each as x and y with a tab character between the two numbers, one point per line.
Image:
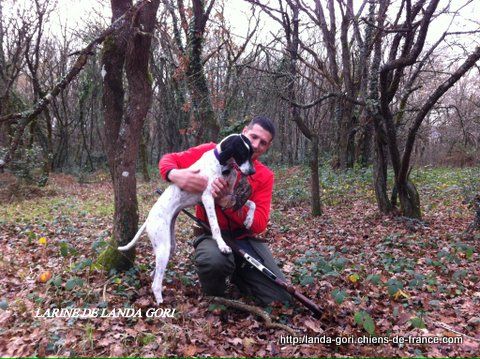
209	204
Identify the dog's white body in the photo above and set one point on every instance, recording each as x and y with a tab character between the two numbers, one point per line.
160	223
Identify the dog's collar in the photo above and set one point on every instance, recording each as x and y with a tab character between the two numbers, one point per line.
217	155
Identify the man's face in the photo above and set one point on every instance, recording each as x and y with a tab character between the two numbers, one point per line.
260	139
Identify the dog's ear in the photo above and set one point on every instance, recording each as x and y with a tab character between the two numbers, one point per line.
247	141
225	155
227	148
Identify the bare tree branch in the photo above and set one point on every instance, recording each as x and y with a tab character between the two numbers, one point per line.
26	117
432	100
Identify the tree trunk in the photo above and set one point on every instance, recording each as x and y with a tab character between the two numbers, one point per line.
3	92
309	133
207	128
345	148
127	48
365	145
380	160
409	200
380	175
113	59
350	150
315	181
407	193
144	159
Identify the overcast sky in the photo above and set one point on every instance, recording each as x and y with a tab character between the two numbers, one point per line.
74	13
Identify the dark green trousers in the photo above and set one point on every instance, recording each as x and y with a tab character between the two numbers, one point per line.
214	267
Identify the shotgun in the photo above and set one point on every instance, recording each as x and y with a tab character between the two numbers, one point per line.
260	267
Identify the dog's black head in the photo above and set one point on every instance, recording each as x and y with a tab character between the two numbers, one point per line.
238	148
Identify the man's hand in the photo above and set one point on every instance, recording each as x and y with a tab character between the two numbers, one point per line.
189	180
221	193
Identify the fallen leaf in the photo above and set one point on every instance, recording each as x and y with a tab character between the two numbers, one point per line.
273	349
313	325
190	350
45	277
400	294
353	277
143	302
474	321
235	341
116	350
247	342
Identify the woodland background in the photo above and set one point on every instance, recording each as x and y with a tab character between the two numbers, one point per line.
372	100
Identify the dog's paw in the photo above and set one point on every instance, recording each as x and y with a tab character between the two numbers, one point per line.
224	248
159	298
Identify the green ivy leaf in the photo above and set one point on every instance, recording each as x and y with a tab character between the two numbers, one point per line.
339	295
81	265
469	252
56	281
99	244
64	249
215	306
418	323
73	282
306	280
374	279
364	319
459	275
393	286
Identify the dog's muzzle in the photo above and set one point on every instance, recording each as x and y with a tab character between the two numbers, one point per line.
247	169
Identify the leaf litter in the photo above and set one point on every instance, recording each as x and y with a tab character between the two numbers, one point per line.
373	275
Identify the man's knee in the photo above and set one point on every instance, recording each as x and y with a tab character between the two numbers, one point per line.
209	259
213	266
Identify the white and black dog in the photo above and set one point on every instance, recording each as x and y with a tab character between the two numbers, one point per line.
234	151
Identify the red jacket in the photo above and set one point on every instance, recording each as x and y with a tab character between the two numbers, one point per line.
261	182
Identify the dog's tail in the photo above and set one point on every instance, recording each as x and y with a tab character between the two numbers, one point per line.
134	240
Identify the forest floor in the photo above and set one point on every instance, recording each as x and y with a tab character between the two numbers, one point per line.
388	286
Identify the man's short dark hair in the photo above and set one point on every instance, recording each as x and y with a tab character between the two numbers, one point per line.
265	123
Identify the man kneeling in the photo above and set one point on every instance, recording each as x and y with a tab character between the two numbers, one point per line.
234	218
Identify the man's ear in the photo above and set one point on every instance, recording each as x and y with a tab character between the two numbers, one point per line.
269	144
